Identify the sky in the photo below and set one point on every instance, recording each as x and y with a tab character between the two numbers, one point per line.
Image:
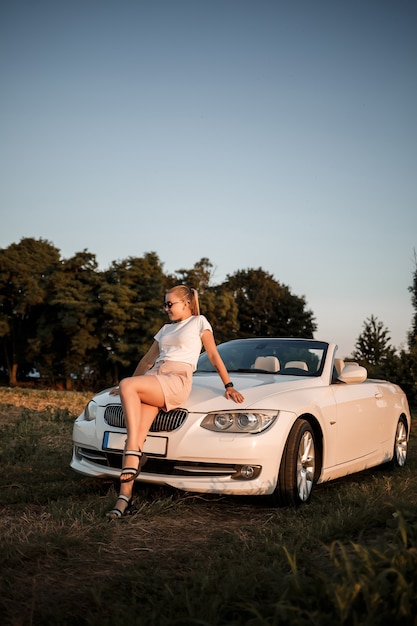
273	134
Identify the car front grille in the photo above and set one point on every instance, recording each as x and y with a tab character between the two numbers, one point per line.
165	421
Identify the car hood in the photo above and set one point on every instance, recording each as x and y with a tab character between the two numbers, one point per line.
208	394
208	391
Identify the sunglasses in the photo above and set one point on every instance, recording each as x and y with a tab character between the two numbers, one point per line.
169	305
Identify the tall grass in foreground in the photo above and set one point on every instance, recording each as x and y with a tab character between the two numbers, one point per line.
349	557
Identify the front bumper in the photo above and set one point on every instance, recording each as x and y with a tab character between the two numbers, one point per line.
186	475
196	460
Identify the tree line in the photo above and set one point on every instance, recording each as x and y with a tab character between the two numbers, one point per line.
76	326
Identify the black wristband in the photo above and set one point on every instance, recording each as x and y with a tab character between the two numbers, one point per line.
227	385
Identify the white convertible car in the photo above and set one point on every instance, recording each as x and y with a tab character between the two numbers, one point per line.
307	417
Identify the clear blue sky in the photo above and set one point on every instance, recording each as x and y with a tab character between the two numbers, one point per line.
257	133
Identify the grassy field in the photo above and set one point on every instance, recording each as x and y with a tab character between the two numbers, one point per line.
349	557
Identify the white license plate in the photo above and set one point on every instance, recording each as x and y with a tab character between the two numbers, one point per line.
115	442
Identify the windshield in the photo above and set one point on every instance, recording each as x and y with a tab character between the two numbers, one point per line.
292	357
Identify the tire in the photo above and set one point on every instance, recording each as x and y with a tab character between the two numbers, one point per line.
400	444
297	472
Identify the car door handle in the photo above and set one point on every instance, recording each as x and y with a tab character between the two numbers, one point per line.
378	396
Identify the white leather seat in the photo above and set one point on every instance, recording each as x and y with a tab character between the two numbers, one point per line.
269	363
301	365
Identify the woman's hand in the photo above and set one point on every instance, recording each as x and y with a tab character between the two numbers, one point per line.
114	392
233	394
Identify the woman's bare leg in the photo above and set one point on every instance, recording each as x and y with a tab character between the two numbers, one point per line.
141	398
135	392
148	415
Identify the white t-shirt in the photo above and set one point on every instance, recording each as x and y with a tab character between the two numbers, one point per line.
181	341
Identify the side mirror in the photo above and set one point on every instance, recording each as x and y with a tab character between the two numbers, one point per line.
353	374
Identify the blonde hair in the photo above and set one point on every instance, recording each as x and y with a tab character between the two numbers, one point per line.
188	294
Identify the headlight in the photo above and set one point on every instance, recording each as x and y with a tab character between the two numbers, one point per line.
90	411
239	421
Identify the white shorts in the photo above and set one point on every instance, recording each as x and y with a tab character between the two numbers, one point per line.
175	379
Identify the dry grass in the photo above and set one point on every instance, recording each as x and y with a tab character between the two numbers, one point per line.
186	559
14	399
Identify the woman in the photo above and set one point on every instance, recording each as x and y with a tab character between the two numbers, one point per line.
163	379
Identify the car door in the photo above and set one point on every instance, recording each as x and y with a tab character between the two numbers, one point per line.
358	416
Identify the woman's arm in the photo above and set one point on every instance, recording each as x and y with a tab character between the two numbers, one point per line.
217	361
148	360
144	364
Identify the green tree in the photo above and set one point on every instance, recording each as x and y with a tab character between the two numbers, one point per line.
267	308
407	369
402	370
372	348
216	302
412	335
220	308
199	277
131	298
67	329
26	270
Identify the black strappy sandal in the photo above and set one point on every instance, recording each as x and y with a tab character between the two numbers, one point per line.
117	513
133	471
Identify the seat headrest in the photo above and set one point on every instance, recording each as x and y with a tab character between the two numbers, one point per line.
269	363
301	365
